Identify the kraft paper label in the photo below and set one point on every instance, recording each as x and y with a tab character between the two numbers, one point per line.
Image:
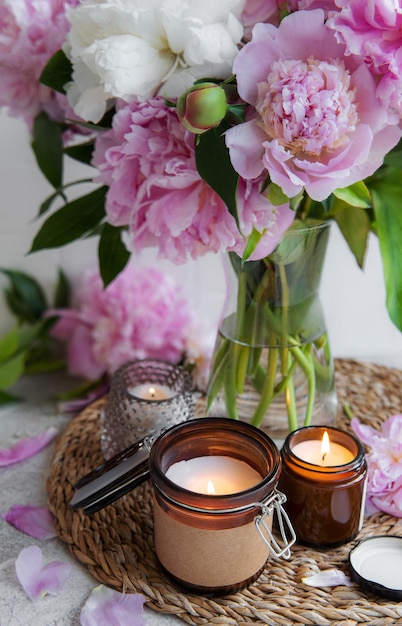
209	558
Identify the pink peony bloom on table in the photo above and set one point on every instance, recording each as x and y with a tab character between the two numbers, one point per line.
148	162
318	123
384	460
30	33
141	314
373	30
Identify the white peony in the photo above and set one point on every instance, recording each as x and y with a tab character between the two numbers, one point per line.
131	48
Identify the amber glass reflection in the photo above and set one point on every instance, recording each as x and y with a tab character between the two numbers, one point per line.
325	504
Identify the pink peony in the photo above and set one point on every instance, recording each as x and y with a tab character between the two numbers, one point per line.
31	31
148	162
373	30
301	5
142	314
318	124
259	11
384	488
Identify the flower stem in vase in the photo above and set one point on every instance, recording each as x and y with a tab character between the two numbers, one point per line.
272	356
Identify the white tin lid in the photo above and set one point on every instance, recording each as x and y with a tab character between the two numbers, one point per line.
376	565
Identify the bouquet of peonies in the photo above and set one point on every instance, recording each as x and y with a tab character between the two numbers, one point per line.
296	105
212	126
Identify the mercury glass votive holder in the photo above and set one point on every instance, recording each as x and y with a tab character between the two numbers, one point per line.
145	397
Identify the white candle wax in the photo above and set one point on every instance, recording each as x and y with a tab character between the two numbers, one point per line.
216	475
151	391
311	452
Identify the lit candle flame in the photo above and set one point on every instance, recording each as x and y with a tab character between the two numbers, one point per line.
325	445
211	488
152	392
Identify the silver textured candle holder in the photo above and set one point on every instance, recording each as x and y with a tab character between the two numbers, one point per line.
145	397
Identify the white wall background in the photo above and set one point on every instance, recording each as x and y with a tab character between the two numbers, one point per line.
354	301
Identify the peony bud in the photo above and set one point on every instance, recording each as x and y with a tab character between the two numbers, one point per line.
202	107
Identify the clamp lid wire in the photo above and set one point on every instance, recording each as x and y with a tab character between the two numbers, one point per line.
288	535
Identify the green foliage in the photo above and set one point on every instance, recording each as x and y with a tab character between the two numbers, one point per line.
28	347
57	72
112	253
356	195
63	292
354	225
386	193
276	195
24	296
47	145
82	152
252	242
73	221
215	166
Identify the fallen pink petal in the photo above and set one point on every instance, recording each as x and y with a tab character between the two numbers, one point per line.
107	607
26	448
36	521
38	580
328	578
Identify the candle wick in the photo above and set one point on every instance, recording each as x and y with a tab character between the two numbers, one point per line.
323	456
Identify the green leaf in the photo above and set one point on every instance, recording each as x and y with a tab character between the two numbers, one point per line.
29	335
8	344
11	371
387	206
356	195
113	254
7	398
72	221
25	297
57	72
215	167
252	242
47	145
62	293
354	224
44	366
276	195
46	205
82	153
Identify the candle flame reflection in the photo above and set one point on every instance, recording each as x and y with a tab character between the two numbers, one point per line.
211	488
325	447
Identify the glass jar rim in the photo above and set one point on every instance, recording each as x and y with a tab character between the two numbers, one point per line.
197	428
355	463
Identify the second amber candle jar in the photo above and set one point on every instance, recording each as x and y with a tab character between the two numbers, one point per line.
325	503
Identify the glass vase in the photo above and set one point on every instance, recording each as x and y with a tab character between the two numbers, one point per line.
272	364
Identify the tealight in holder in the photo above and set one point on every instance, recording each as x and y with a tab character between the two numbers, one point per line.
325	491
215	497
145	397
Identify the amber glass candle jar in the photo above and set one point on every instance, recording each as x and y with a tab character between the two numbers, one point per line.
216	543
325	490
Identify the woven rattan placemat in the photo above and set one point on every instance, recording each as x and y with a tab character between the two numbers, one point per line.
116	544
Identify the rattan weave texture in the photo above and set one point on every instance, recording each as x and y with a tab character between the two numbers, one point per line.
116	544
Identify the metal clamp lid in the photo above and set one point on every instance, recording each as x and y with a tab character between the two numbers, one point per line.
269	506
114	478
